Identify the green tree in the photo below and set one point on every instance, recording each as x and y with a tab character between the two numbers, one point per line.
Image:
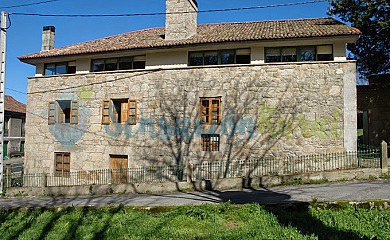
372	17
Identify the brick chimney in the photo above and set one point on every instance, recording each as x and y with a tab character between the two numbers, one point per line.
181	19
48	34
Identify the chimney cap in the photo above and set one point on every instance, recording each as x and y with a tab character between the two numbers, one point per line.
51	28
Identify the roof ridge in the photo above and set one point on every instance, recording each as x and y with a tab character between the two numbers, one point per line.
276	20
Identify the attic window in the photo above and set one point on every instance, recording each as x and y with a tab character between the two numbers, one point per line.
113	64
234	56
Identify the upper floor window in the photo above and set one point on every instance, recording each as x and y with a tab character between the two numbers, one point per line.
119	111
123	63
235	56
63	111
210	110
60	68
299	54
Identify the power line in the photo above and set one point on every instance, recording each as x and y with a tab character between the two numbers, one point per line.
13	90
163	13
28	4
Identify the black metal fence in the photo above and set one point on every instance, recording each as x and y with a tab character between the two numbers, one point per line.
368	158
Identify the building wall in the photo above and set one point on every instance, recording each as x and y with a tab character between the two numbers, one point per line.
267	110
13	135
376	109
179	58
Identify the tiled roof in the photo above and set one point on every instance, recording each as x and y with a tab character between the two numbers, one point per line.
10	104
206	34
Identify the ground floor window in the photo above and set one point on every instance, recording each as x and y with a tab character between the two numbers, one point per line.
210	142
62	163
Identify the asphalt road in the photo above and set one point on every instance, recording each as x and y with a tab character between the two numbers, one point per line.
351	191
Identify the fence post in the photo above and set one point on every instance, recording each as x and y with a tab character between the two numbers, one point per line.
8	175
384	166
44	180
188	172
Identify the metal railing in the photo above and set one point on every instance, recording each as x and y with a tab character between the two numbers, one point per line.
205	170
287	165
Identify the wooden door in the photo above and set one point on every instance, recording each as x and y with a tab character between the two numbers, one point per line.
119	168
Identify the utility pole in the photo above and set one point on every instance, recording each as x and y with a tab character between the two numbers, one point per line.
3	35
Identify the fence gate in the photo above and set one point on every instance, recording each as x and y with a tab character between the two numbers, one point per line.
119	165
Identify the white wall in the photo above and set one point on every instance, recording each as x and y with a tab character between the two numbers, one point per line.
167	59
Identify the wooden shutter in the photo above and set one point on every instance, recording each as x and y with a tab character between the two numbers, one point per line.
214	139
205	142
132	112
205	111
62	163
210	110
106	112
215	111
74	112
124	111
52	113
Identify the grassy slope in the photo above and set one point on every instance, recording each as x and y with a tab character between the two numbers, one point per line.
223	221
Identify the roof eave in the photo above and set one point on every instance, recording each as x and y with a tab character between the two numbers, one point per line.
348	38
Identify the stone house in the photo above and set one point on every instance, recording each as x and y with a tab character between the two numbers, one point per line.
14	122
191	93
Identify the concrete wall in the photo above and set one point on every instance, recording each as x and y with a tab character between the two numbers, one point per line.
267	109
167	59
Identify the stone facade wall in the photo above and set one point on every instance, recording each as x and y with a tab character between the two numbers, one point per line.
181	19
267	110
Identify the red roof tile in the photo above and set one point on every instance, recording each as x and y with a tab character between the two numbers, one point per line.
10	104
208	33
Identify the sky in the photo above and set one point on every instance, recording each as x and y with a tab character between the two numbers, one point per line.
25	32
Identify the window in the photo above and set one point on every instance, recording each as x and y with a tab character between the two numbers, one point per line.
302	53
62	163
235	56
63	111
60	68
210	142
210	110
119	111
113	64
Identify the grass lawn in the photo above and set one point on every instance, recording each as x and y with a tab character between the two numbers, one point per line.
219	221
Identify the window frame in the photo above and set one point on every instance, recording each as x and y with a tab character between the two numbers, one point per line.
62	171
298	53
54	114
209	144
108	106
57	64
119	60
207	111
219	56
